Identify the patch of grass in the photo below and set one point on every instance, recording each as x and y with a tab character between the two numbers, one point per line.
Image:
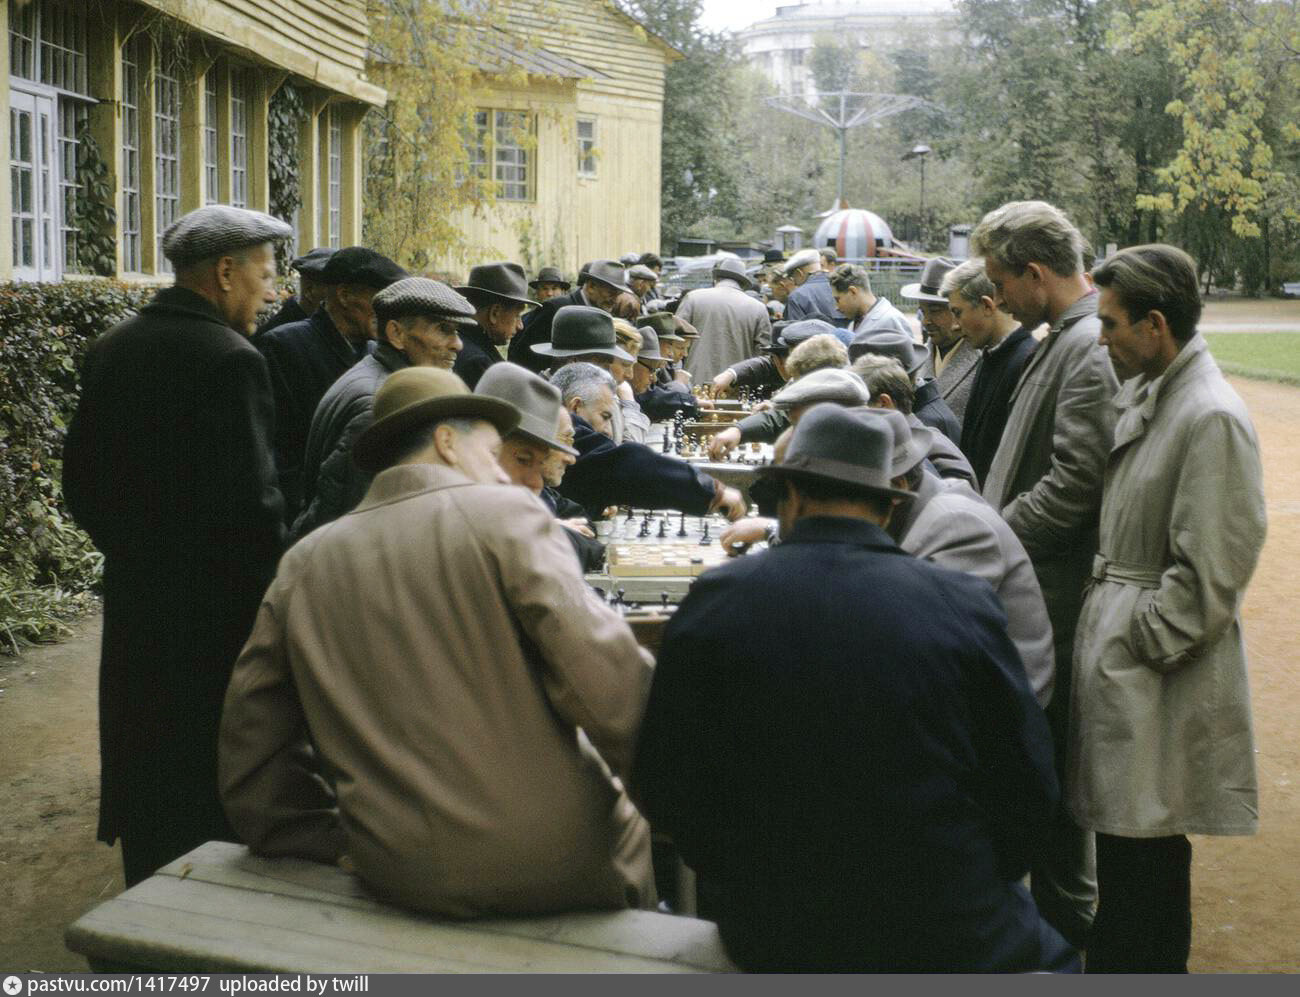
1265	356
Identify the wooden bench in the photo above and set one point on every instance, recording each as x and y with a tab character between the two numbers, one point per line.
221	909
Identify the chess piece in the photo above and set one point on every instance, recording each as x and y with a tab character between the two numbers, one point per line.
645	528
667	443
663	528
663	599
621	592
629	515
681	532
704	539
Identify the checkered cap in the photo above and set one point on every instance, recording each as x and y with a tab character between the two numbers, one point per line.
217	230
422	296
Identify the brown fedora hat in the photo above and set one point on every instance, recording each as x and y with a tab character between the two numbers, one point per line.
417	396
492	282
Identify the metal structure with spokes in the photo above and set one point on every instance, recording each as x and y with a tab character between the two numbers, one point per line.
843	110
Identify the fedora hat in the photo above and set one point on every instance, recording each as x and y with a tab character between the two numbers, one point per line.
897	345
664	325
932	275
729	269
830	384
778	345
549	275
773	256
417	396
607	272
650	345
849	446
537	401
911	443
579	330
493	282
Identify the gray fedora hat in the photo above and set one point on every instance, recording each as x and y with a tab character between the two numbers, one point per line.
537	401
849	446
607	272
417	396
650	345
830	384
580	330
911	443
896	345
491	282
729	269
549	275
932	274
664	324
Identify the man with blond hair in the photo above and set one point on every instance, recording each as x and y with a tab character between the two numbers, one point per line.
1046	477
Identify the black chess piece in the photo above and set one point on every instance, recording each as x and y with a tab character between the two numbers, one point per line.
681	532
663	599
663	528
667	442
645	528
620	601
704	538
630	514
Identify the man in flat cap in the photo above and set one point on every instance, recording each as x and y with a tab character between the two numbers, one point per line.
642	280
311	290
499	294
872	808
549	283
168	467
811	296
733	326
420	322
600	282
440	650
306	357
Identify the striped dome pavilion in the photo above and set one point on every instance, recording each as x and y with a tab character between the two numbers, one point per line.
854	233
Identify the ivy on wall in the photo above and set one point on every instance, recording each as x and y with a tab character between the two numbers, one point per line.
94	217
285	115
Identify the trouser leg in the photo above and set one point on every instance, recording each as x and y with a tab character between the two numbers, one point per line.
1144	914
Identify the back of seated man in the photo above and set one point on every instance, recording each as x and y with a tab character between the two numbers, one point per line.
608	474
412	692
857	788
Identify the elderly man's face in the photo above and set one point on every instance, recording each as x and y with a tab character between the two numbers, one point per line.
600	413
939	323
557	461
248	285
501	322
426	342
1022	294
524	461
546	290
353	311
601	295
643	375
642	286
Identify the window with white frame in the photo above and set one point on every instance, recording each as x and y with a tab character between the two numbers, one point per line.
511	155
48	105
334	166
586	147
130	179
238	139
211	164
166	156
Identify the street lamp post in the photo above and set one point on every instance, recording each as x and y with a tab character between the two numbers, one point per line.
919	152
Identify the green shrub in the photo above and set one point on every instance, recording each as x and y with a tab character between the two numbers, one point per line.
48	567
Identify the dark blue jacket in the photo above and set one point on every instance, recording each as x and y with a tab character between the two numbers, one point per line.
932	410
537	329
477	354
841	741
813	299
661	404
631	474
989	402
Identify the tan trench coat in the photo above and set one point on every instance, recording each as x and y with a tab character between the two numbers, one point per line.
1160	726
443	650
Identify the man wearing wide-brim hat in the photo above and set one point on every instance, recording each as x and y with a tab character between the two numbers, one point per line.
499	294
675	346
950	361
895	856
420	324
311	289
733	326
581	334
657	401
439	649
549	283
600	283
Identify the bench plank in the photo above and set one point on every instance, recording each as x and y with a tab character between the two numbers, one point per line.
221	909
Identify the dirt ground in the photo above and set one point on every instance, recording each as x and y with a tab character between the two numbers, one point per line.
1246	890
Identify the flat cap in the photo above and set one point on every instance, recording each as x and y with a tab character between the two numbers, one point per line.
801	259
639	271
312	263
218	230
425	297
832	384
359	265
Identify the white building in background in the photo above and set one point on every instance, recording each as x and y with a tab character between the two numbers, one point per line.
781	46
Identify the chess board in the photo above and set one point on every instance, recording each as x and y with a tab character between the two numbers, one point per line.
664	558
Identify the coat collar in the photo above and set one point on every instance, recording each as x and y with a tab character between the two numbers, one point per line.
477	335
323	327
840	530
1085	306
906	515
390	358
402	481
183	301
1138	398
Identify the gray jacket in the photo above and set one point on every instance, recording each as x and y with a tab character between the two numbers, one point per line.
1046	475
949	524
1160	725
957	377
333	484
733	327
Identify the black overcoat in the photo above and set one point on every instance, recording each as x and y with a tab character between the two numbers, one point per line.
477	354
990	399
537	329
167	465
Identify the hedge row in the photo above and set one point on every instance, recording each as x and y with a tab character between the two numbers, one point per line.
48	568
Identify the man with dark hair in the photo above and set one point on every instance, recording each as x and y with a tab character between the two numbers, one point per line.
168	466
549	283
500	299
927	403
311	290
950	361
865	313
420	322
849	814
1160	728
1046	477
600	282
830	258
306	357
652	261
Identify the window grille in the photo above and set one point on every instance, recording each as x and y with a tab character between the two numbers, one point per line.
72	118
130	179
335	163
238	140
167	157
586	147
62	47
510	158
211	176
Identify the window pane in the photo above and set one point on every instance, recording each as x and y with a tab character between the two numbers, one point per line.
167	156
211	184
238	140
131	156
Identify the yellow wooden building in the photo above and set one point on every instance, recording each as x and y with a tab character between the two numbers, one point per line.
586	184
175	94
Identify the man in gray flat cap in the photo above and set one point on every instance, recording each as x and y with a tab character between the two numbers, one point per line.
311	290
420	322
306	357
168	467
733	326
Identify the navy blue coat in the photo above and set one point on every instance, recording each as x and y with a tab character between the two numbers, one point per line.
932	410
477	354
631	474
841	741
813	299
661	404
990	399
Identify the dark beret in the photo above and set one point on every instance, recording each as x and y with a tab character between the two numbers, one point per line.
312	263
359	265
